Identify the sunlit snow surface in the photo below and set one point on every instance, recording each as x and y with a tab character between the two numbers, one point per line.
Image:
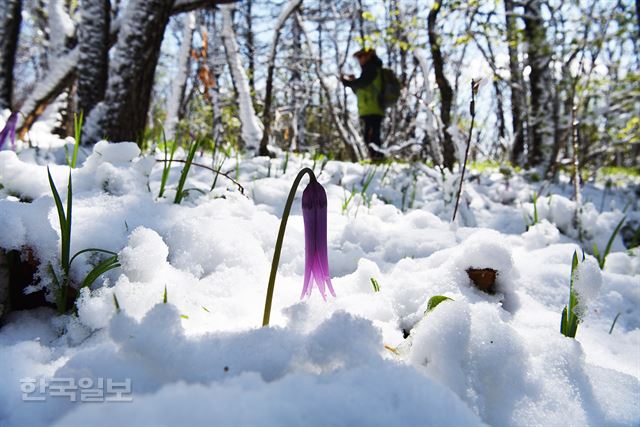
202	358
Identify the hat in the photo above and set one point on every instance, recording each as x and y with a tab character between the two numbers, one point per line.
364	51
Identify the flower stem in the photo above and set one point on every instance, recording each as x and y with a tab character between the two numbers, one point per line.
279	240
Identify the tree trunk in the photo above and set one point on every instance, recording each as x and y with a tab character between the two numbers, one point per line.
251	126
122	115
446	93
93	41
10	17
286	12
250	45
179	83
516	86
539	57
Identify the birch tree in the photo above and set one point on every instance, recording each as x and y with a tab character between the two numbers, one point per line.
179	82
251	126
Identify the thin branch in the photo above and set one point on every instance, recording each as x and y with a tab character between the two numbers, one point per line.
225	174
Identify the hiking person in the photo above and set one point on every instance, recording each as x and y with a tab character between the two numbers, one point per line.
368	88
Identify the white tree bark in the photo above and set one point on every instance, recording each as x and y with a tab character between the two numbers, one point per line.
180	81
61	27
251	126
431	120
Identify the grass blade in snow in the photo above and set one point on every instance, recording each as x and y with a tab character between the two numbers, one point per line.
185	172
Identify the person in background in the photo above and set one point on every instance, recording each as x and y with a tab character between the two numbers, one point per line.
367	88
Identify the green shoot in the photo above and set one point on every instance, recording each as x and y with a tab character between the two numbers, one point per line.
166	169
347	200
115	302
219	168
65	236
602	258
64	217
102	267
184	316
434	301
570	320
205	309
185	171
164	297
375	284
77	128
286	163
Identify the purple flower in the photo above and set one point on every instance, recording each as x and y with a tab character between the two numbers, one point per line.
9	130
316	262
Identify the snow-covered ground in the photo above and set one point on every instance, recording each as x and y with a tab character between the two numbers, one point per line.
203	359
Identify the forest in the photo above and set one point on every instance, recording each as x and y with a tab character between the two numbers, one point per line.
319	212
562	76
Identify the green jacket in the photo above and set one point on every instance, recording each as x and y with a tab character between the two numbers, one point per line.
368	87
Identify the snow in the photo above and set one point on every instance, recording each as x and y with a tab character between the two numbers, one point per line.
587	284
202	358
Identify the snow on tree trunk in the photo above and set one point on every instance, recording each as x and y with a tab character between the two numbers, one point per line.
122	115
251	126
431	120
180	81
61	28
93	41
59	76
10	17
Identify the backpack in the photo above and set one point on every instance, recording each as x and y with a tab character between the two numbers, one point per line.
390	88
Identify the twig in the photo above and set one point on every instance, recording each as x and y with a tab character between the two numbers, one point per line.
472	109
200	165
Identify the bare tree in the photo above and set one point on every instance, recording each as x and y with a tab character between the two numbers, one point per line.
251	126
290	7
179	83
93	43
446	93
10	18
540	79
122	115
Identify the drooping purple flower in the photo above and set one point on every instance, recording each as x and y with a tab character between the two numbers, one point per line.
316	261
9	130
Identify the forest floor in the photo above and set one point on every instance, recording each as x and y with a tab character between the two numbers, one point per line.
202	358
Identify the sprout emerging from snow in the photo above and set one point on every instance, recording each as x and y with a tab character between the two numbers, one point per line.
9	130
584	286
316	262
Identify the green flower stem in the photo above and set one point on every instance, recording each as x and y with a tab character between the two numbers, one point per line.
279	240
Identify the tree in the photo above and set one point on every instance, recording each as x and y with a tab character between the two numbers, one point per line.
446	93
290	7
540	80
10	18
93	43
515	84
122	115
179	82
251	126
